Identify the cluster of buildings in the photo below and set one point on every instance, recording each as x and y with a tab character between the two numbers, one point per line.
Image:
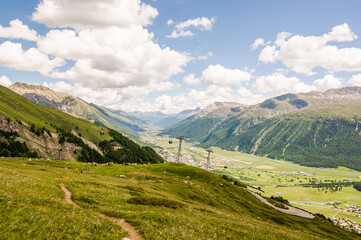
190	160
351	209
351	226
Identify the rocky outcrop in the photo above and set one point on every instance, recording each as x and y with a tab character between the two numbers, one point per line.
46	145
87	142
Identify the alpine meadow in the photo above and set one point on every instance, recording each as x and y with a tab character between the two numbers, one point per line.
190	119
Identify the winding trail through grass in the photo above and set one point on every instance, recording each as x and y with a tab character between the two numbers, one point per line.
290	210
133	233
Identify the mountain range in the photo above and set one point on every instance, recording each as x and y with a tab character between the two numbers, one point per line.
314	129
318	129
65	102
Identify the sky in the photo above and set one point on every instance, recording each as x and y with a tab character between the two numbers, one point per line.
173	55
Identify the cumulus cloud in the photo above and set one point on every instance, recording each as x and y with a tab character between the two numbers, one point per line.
280	84
190	79
128	98
93	13
327	82
59	86
181	34
221	76
13	56
182	28
170	22
101	47
201	98
112	57
5	81
17	30
223	94
258	42
303	54
355	80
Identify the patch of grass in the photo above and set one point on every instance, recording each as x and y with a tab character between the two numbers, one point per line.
155	201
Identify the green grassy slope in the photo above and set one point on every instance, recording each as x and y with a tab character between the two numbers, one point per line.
14	106
194	129
199	205
321	136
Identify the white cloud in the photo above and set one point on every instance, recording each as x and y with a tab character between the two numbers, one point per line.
258	42
128	98
268	54
327	82
182	28
94	13
112	57
5	81
303	54
223	94
17	30
170	22
203	23
340	33
202	99
355	80
205	57
181	33
191	79
278	83
60	86
13	56
281	38
221	76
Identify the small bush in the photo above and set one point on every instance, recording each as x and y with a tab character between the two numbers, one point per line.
155	201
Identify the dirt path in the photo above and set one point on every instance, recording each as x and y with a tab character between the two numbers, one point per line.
336	214
290	210
133	233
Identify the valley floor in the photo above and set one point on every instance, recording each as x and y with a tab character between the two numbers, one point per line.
277	178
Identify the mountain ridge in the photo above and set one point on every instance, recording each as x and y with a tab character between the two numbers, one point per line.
73	105
247	129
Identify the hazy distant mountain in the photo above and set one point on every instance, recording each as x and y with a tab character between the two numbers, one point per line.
164	120
152	117
201	124
177	118
67	103
317	129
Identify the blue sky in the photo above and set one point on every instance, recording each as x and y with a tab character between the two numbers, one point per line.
122	56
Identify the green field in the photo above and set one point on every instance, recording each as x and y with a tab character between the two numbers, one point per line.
163	201
277	177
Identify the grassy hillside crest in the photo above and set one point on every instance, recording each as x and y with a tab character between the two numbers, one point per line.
163	201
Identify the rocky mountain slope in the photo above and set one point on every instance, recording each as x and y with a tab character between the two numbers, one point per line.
279	127
32	130
76	106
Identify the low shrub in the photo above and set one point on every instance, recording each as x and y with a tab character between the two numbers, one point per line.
155	201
